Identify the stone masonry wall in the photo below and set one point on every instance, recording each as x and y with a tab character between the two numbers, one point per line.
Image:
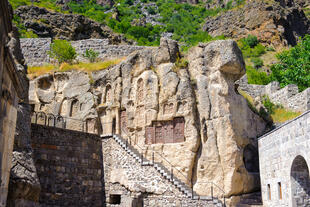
139	185
280	152
69	167
289	97
35	49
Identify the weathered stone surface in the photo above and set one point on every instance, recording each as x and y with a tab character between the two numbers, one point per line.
272	22
45	23
226	121
191	117
15	113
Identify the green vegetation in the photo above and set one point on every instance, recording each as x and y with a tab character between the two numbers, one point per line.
183	20
91	55
250	47
24	33
294	65
277	113
257	62
88	67
257	77
179	64
63	51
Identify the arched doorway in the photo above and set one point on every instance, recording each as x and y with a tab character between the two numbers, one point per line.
300	182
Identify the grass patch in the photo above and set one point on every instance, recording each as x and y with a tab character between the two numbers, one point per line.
36	71
282	115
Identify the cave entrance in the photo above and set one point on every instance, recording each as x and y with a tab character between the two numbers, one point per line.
300	182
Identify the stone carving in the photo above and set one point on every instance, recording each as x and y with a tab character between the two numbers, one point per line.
178	132
140	112
150	135
124	121
168	108
140	91
108	95
74	108
91	126
165	131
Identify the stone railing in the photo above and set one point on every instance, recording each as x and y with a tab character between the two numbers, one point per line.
58	121
289	96
35	50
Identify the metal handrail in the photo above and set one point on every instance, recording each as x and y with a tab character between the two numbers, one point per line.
174	168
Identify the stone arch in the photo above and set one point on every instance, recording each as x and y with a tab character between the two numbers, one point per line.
300	182
250	158
140	90
108	94
74	108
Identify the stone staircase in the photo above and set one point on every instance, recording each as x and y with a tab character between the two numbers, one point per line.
168	175
251	200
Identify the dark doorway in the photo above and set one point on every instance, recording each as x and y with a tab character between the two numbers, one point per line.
114	126
115	199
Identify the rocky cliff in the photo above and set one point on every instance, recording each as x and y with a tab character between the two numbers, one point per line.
45	23
276	23
189	114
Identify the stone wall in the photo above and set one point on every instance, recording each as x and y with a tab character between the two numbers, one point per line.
289	96
11	90
139	185
69	167
284	159
35	49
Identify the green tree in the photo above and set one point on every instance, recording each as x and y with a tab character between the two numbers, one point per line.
294	65
63	51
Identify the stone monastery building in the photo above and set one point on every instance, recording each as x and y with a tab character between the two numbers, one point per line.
145	132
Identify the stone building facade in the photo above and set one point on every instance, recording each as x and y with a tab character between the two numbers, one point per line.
284	159
11	90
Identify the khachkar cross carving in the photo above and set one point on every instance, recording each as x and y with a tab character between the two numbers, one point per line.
140	90
109	94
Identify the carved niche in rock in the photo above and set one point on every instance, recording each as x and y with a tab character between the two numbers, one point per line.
165	131
91	126
108	94
74	108
140	91
168	108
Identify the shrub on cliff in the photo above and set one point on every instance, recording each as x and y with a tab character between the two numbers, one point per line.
257	77
91	55
62	51
294	65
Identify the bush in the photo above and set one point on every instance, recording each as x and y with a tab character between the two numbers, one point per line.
63	51
251	41
257	62
294	65
256	77
91	55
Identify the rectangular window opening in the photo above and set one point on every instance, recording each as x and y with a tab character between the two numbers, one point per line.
115	199
280	190
269	192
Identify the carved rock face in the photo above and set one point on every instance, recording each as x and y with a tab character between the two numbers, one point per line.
191	116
